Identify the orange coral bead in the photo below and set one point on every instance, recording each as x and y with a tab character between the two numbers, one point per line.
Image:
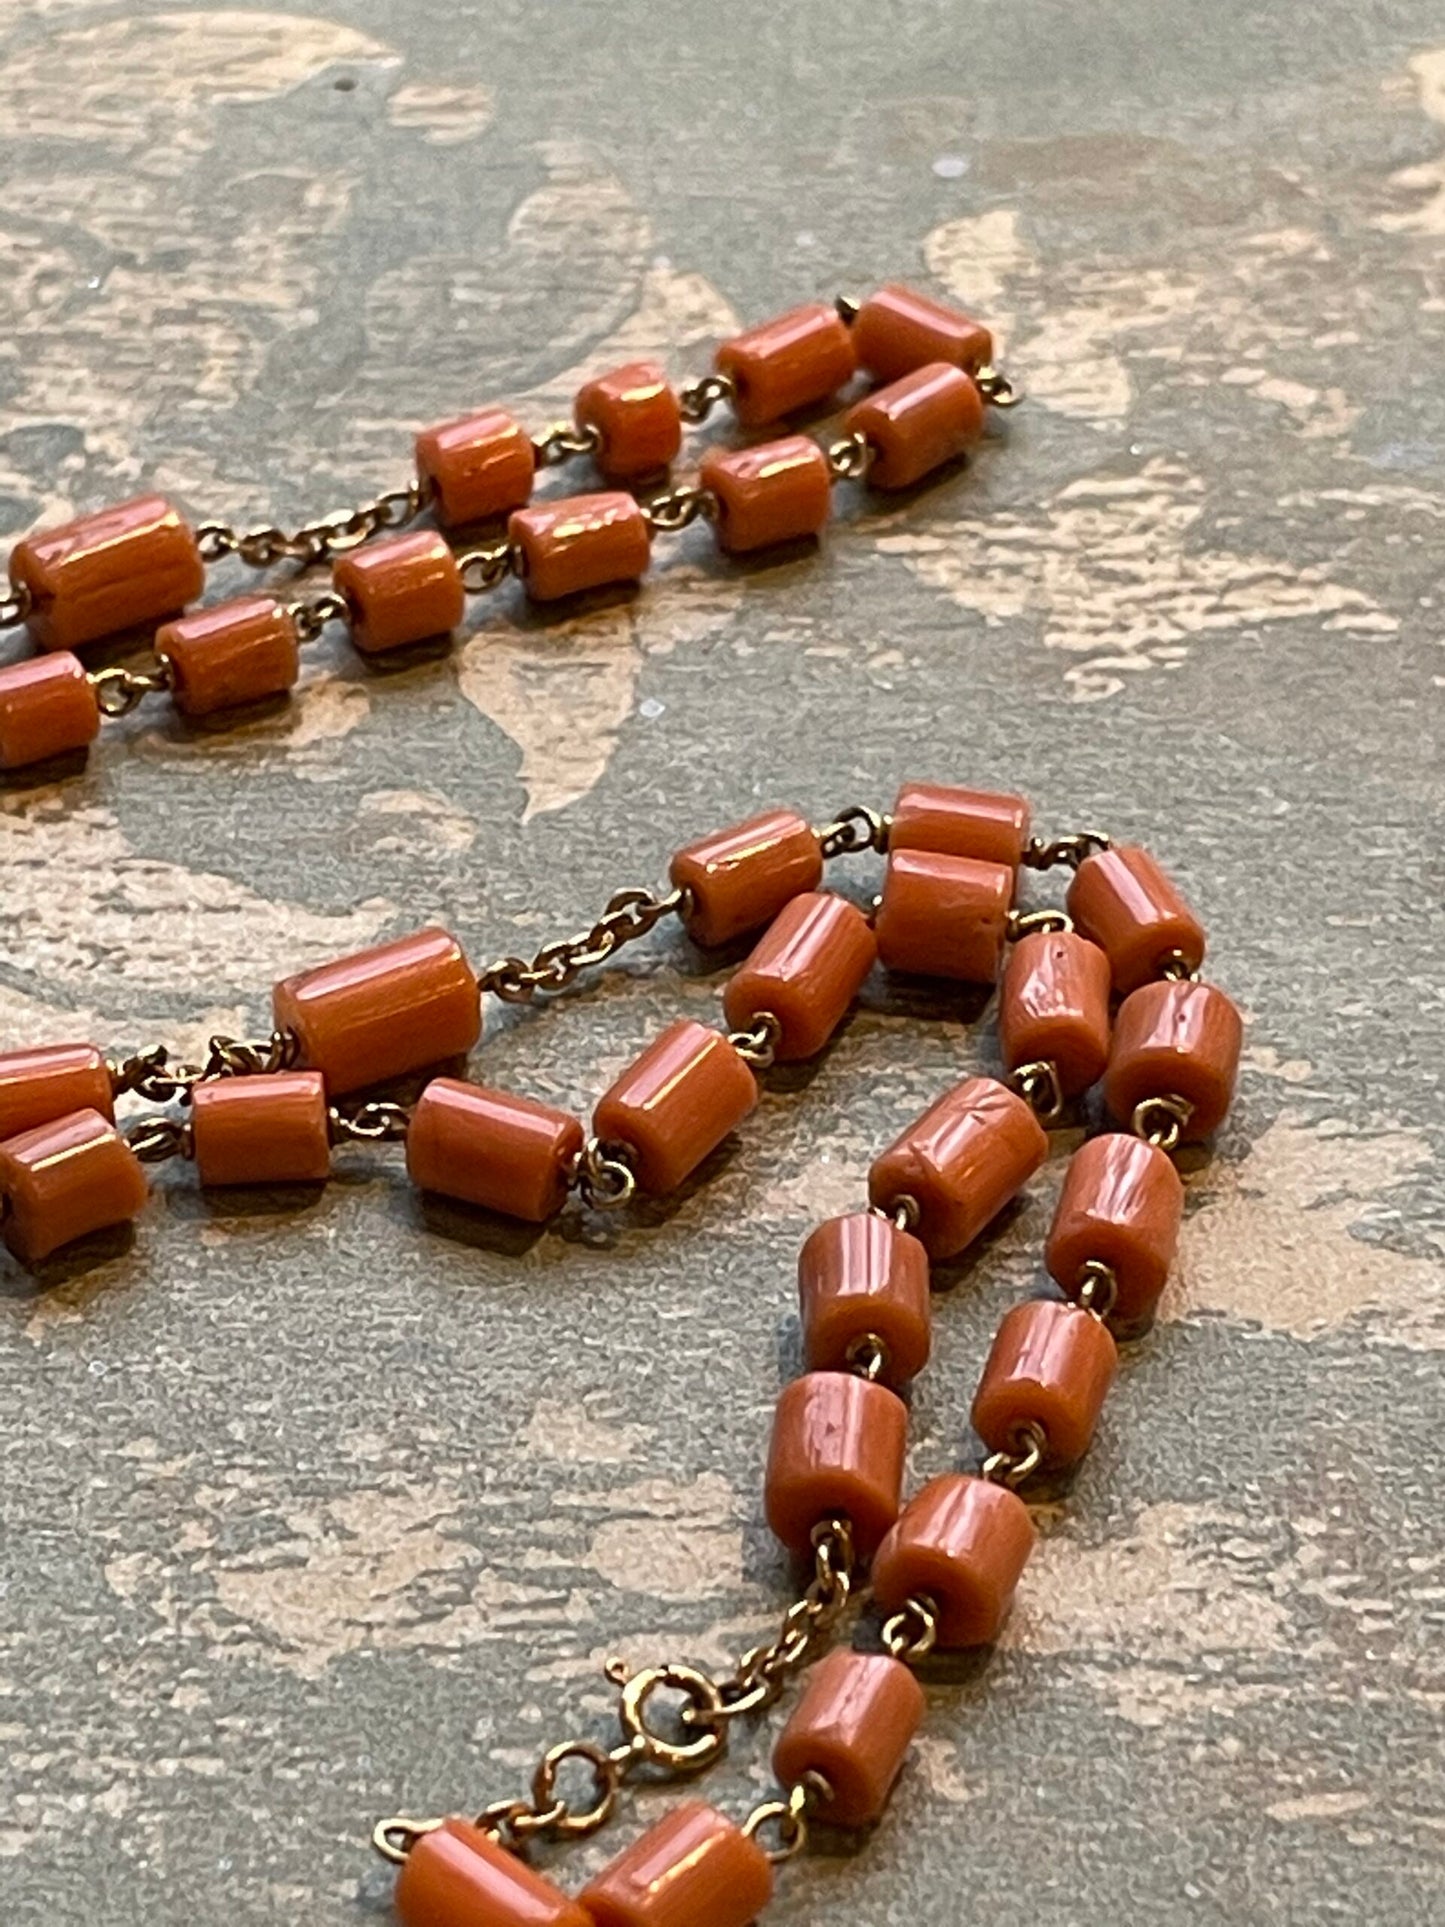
806	971
271	1129
961	1543
837	1449
778	492
692	1869
492	1148
917	424
1121	899
103	573
899	330
47	708
853	1726
987	824
960	1163
65	1179
581	542
458	1876
1176	1040
1053	1007
635	413
383	1012
789	363
739	878
676	1103
944	916
476	467
861	1277
39	1085
1051	1365
1121	1205
401	591
238	652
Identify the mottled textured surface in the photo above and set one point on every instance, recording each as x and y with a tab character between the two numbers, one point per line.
317	1508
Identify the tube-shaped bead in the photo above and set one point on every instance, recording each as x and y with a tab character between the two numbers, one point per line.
1123	901
237	652
898	330
64	1179
917	424
113	570
638	421
458	1876
1054	1007
862	1277
837	1450
270	1129
1051	1366
492	1148
806	971
960	1163
693	1868
1176	1040
777	492
988	824
961	1543
739	879
676	1103
1120	1206
383	1012
47	708
788	363
477	467
400	591
581	542
944	916
853	1727
49	1081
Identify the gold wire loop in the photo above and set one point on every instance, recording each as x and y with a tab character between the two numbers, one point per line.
1161	1121
912	1632
1029	923
758	1047
312	613
1176	967
996	388
371	1123
789	1815
154	1139
1096	1289
1038	1085
118	691
850	458
867	1356
604	1175
1013	1468
697	399
846	308
904	1211
394	1838
487	567
853	830
678	508
703	1711
563	440
559	1816
15	606
1041	854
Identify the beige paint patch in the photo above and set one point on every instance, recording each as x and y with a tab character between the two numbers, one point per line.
667	1539
1426	181
420	818
574	1434
443	115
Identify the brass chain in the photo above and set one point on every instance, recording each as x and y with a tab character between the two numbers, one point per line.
854	830
679	508
151	1075
334	534
370	1122
697	399
119	691
1041	854
564	440
630	913
761	1674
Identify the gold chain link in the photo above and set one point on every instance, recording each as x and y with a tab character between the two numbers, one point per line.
334	534
630	913
1071	849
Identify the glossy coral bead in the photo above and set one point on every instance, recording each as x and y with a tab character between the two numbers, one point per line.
693	1868
960	1163
944	916
739	878
676	1103
1050	1366
1176	1040
960	1543
64	1179
1053	1007
266	1129
806	970
636	417
1121	1205
477	467
852	1727
789	363
458	1876
989	825
581	542
492	1148
103	573
777	492
861	1277
917	424
237	652
401	591
837	1449
48	708
897	331
1124	902
48	1081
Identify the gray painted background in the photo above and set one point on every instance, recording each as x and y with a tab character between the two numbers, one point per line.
317	1508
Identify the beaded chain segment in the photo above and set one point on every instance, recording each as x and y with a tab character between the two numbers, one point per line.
1103	989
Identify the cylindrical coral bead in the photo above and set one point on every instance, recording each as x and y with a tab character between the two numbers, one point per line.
739	879
492	1148
861	1277
917	424
383	1012
692	1869
103	573
989	824
581	542
789	363
269	1129
49	1081
675	1103
806	971
1121	899
238	652
1120	1206
458	1876
1050	1366
899	330
960	1163
837	1450
1175	1040
944	916
65	1179
1054	1007
777	492
401	591
635	414
853	1727
960	1543
47	708
476	467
